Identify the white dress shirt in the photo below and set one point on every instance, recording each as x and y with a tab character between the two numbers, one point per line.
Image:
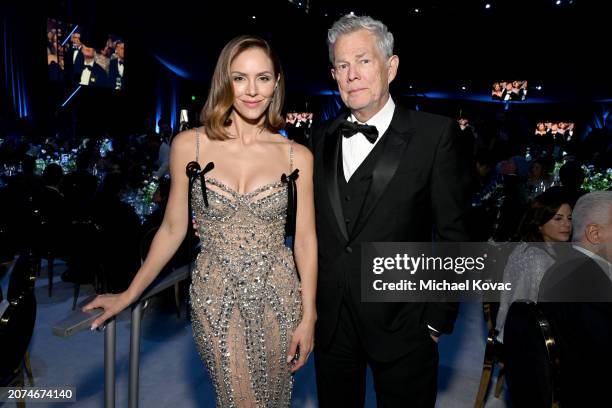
86	74
356	148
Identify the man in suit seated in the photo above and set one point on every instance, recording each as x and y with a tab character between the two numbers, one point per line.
575	294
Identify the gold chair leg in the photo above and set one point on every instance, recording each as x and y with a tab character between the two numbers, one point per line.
28	368
499	385
485	378
20	383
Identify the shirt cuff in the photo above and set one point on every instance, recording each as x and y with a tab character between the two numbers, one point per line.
433	331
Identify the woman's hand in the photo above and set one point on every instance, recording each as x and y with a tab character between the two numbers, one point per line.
194	224
112	305
302	341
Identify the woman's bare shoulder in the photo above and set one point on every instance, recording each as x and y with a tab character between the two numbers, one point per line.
187	140
301	153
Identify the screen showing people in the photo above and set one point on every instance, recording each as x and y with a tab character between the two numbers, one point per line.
77	58
298	126
509	91
555	129
553	137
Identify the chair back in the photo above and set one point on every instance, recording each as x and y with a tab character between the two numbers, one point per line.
16	328
531	357
23	274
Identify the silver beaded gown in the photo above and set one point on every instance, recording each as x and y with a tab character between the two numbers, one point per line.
245	293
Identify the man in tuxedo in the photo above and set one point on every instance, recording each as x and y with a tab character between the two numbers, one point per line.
116	68
73	57
91	73
575	295
382	173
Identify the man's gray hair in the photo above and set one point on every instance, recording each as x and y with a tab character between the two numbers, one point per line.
350	23
591	208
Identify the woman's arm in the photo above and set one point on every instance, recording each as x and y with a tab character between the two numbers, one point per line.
167	239
305	244
305	252
173	229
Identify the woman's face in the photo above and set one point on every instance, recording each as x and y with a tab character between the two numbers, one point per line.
253	80
536	170
559	227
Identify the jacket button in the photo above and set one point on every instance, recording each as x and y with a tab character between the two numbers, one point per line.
349	249
347	198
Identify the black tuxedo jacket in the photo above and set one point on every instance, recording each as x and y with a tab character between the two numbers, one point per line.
98	77
70	66
418	190
113	73
583	330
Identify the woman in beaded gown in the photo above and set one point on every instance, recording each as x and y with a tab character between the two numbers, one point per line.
253	317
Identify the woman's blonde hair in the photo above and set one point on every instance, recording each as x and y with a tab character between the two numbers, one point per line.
218	107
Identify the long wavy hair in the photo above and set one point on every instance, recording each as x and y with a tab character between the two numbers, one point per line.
216	112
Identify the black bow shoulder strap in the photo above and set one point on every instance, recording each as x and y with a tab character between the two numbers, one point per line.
194	172
291	201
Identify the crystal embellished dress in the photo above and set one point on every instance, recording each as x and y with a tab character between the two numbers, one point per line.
245	293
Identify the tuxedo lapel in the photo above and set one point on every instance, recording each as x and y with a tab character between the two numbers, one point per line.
331	153
397	139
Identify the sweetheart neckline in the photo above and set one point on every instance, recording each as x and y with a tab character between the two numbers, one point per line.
258	190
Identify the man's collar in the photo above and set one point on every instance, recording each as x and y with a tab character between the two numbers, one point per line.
604	263
382	119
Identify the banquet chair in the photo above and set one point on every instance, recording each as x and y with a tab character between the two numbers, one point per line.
16	328
493	356
531	357
85	257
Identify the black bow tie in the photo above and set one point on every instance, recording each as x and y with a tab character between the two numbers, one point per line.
348	129
89	67
119	62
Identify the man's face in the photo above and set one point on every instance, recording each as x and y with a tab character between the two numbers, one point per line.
120	50
76	39
603	238
88	52
363	74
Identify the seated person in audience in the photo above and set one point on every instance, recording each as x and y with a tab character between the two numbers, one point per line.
79	188
576	297
154	220
20	191
539	178
119	232
548	219
52	206
572	177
